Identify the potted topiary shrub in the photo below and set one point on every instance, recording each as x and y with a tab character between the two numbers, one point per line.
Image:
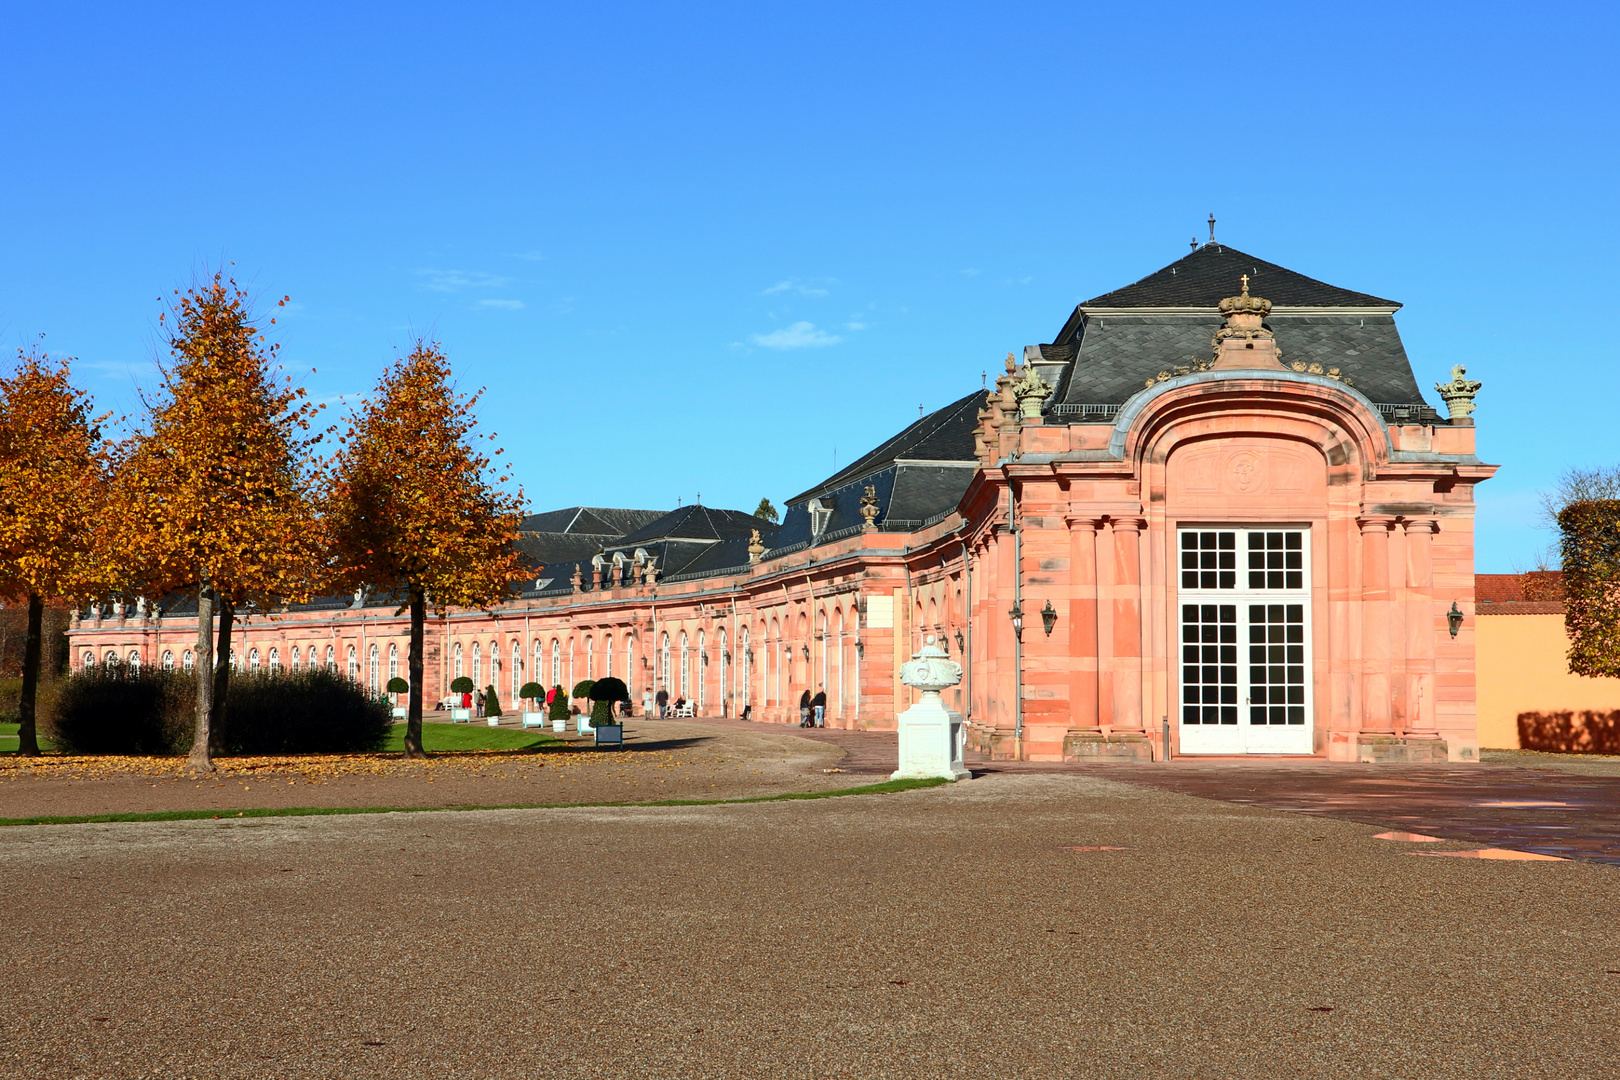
530	692
398	686
461	685
559	709
582	694
492	706
604	694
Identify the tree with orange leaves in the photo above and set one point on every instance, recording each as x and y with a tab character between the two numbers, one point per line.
53	490
411	507
218	486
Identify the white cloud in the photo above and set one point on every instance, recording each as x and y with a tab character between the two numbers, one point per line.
504	305
459	280
969	272
529	256
801	335
854	325
793	285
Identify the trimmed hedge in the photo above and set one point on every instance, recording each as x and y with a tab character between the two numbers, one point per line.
492	702
115	709
559	704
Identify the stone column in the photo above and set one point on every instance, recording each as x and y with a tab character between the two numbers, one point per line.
1107	566
1128	623
1420	624
1375	642
1084	615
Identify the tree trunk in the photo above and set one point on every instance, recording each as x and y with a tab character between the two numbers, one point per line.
199	759
27	738
413	711
222	674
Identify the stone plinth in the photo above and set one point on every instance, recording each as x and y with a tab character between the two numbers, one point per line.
931	735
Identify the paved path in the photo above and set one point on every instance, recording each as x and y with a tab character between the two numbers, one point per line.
1550	810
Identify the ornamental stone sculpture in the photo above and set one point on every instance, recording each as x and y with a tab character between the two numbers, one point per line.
1244	342
756	547
1031	393
931	735
869	509
1458	394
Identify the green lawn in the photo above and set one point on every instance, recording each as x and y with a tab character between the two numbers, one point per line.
444	737
8	740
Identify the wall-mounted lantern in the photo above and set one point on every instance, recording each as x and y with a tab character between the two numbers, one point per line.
1454	619
749	653
806	652
1017	615
860	649
961	646
1048	617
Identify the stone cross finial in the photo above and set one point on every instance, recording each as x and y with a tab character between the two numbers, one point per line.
1458	394
1245	280
756	547
869	508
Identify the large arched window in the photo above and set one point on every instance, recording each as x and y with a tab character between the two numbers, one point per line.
331	658
607	655
556	662
296	660
134	660
373	664
393	661
494	663
701	669
684	672
253	661
275	658
354	664
663	662
590	658
539	660
168	659
517	668
477	663
456	666
725	672
187	661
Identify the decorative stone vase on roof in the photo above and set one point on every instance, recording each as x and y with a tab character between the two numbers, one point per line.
1031	393
869	509
1458	394
756	547
1244	342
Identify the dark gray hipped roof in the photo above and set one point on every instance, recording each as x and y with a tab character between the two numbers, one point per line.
699	523
943	435
596	520
1212	273
1121	340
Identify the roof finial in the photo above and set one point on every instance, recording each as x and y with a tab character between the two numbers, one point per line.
1245	280
1212	226
1195	243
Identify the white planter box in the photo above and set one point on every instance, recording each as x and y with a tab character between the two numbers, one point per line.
458	716
399	712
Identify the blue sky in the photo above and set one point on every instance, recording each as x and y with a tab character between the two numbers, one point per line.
702	248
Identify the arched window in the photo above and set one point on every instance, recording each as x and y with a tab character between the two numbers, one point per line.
517	668
725	673
111	657
168	659
663	663
296	660
590	659
89	660
744	678
253	661
539	660
702	671
354	664
684	670
556	662
187	661
494	663
393	662
134	660
373	664
236	660
477	664
607	656
457	666
275	658
331	658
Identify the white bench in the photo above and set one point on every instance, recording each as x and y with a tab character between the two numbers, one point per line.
685	710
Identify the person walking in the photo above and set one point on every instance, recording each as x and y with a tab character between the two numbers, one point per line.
646	702
480	703
804	709
818	705
663	703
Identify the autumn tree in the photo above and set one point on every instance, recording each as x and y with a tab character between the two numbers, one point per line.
218	486
53	491
415	509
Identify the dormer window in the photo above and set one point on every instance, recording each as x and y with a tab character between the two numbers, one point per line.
820	513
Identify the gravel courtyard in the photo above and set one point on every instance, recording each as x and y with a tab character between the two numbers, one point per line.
958	931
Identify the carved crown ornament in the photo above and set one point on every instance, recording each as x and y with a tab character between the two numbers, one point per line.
869	508
1458	394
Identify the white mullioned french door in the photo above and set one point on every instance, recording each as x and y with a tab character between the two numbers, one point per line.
1243	606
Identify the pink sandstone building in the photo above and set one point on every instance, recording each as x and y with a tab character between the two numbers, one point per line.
1214	516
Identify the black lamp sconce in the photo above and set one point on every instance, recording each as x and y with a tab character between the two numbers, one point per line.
1048	617
961	646
1454	619
1017	615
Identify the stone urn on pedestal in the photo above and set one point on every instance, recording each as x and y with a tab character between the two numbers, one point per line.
931	735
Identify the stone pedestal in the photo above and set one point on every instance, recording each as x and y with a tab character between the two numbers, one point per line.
1378	749
931	735
1116	746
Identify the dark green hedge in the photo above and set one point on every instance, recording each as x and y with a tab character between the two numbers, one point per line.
1590	549
114	709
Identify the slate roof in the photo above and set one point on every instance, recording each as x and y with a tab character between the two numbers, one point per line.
1207	276
695	523
597	520
943	435
1114	354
